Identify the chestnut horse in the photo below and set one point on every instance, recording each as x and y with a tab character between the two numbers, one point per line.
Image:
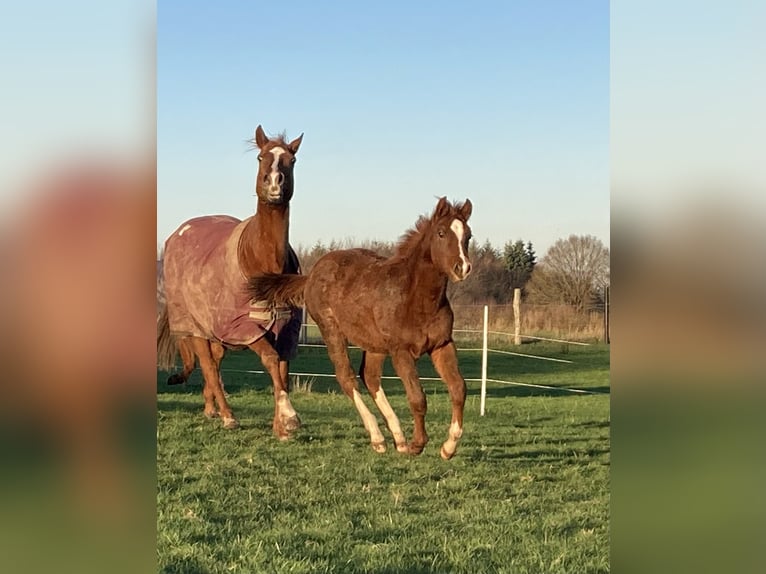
205	268
396	306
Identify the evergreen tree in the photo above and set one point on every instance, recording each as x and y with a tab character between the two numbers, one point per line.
519	262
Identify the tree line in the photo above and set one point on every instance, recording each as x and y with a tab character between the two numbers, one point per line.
573	271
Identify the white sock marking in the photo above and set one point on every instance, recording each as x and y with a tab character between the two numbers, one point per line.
388	413
370	423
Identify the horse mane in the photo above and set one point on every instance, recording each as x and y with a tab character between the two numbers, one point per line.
412	237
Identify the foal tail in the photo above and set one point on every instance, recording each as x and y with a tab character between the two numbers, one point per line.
286	289
167	346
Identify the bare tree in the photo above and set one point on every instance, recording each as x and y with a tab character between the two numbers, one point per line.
574	271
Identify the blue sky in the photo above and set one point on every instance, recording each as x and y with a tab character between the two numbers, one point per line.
505	103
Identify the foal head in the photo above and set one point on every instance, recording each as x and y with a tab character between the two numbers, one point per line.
449	236
276	158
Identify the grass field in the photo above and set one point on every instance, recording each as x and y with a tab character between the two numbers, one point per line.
528	490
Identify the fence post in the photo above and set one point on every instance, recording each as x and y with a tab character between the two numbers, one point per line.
517	316
484	363
304	327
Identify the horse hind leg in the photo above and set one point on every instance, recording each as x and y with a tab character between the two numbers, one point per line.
217	350
187	357
212	391
336	349
370	372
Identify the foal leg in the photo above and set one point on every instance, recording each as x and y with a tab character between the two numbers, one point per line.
336	348
212	390
445	361
404	365
285	417
370	372
187	356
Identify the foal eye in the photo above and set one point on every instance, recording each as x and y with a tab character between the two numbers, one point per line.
292	160
260	157
441	233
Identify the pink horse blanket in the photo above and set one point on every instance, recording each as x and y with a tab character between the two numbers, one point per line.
206	291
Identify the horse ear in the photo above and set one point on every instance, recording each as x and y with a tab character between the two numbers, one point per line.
442	208
260	137
295	144
466	209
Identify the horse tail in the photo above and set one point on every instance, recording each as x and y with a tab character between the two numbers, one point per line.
286	289
167	345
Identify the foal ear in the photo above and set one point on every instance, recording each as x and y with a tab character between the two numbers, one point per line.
466	209
295	144
260	137
442	208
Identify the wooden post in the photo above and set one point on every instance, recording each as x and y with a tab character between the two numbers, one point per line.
484	363
517	316
304	327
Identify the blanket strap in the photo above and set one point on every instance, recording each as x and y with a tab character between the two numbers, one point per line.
268	314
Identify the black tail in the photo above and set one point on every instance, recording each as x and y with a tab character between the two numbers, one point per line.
167	346
284	289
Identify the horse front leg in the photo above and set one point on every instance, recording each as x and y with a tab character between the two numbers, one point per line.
404	365
285	418
445	362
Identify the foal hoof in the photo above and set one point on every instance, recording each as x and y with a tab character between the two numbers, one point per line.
292	424
379	447
280	431
445	454
176	379
230	423
403	448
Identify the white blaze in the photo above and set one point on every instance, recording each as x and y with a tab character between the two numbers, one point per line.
276	152
459	230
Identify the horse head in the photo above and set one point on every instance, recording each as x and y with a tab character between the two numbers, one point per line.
276	158
449	236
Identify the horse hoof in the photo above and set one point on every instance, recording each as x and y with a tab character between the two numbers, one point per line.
230	423
416	449
211	414
379	447
403	448
445	454
292	424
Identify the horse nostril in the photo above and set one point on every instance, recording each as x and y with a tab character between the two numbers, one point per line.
467	268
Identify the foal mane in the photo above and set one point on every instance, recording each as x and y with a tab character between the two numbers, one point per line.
412	237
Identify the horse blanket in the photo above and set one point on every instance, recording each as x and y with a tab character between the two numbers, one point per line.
206	291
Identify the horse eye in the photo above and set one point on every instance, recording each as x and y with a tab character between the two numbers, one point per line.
260	157
292	160
441	233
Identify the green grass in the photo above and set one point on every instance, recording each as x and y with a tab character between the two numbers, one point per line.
528	490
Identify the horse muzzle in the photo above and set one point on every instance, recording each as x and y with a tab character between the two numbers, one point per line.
461	270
